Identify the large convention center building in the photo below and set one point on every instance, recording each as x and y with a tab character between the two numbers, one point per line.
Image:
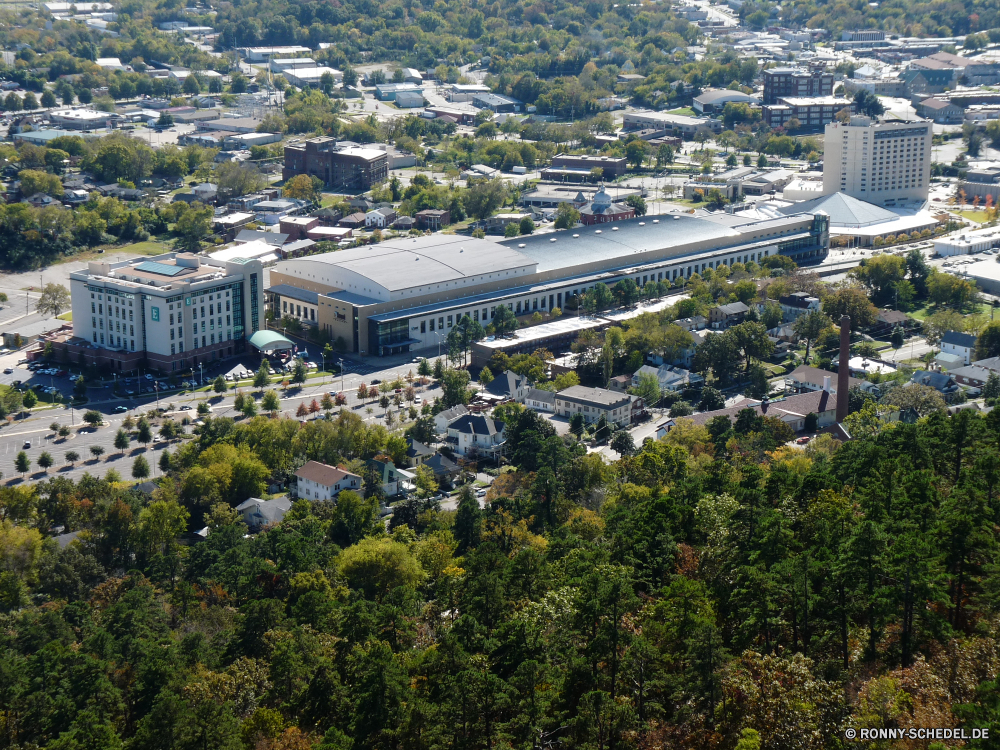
405	294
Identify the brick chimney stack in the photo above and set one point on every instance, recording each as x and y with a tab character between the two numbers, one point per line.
844	369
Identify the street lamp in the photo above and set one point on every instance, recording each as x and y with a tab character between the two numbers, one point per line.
342	376
201	370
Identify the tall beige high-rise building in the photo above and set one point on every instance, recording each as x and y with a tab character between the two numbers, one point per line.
885	162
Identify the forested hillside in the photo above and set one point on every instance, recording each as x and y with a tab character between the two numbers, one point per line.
713	590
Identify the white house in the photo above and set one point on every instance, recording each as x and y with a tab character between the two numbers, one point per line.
961	344
259	513
379	218
444	418
670	378
476	434
318	481
539	400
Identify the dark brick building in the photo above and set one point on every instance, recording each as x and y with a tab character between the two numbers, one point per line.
795	82
353	168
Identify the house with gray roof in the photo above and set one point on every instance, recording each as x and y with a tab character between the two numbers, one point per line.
476	434
960	344
444	418
258	514
726	316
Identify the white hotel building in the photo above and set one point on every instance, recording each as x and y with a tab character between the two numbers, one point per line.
885	162
167	313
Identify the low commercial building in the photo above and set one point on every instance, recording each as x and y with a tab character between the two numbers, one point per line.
82	119
409	99
580	168
316	481
301	304
968	243
463	92
496	103
593	403
312	76
230	125
677	124
386	92
352	168
264	54
715	100
168	312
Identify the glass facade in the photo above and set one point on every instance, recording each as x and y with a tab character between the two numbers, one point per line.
390	337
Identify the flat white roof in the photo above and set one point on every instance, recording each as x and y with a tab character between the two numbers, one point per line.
81	114
255	250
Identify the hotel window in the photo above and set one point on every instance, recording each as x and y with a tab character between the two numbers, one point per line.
180	346
173	347
423	326
171	318
432	324
95	337
171	334
93	322
93	308
102	338
180	317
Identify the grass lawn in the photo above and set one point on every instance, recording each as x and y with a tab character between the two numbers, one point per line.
925	311
979	216
65	316
682	111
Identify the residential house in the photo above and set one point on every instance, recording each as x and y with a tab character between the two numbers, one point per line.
445	470
258	514
404	223
416	452
432	218
990	363
594	402
539	400
942	382
476	434
444	418
379	218
962	344
507	386
804	379
972	376
670	378
206	192
318	481
792	410
353	221
892	318
726	316
41	200
620	383
394	481
796	304
697	323
947	361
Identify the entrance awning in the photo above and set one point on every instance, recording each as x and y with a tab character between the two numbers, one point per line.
269	341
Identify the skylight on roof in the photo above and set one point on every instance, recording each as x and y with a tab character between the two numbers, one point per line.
162	269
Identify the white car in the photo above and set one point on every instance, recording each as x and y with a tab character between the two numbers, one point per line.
148	376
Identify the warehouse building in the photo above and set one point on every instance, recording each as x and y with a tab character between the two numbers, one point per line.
406	294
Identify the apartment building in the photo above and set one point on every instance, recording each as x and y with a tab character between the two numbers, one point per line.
795	82
167	313
345	168
887	163
594	402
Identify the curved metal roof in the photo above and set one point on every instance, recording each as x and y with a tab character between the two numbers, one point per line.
269	341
